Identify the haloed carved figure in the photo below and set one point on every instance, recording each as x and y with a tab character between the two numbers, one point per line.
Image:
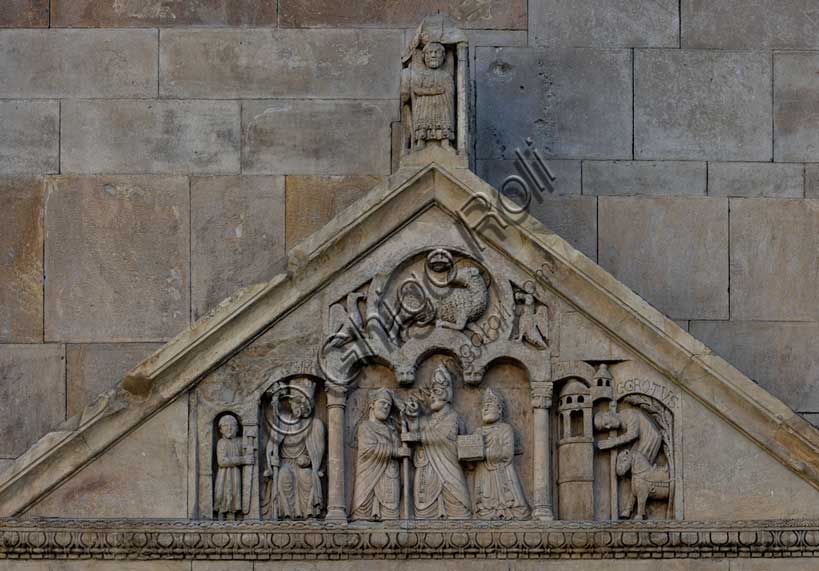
294	457
377	492
498	493
431	88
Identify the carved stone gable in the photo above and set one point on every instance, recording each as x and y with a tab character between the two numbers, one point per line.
423	380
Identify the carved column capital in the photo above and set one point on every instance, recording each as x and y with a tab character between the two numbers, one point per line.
541	393
336	396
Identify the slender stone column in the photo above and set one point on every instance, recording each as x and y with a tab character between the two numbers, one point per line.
541	394
336	496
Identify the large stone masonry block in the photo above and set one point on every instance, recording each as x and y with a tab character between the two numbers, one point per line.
29	137
573	103
215	64
24	14
782	357
150	13
742	24
92	369
312	201
754	180
32	390
573	218
672	251
481	14
702	105
796	106
644	177
317	136
78	63
604	23
116	258
21	261
775	259
563	178
157	137
811	181
237	235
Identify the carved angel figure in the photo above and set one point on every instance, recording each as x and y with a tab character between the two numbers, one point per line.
230	459
377	491
294	458
439	488
498	492
533	322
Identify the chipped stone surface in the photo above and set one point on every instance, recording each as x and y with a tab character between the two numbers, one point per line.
158	137
78	63
313	200
754	180
782	357
317	137
29	139
157	452
625	178
483	14
796	88
116	258
573	103
566	174
216	64
702	105
811	181
150	13
32	390
670	251
21	260
92	369
774	264
24	14
604	23
237	235
739	24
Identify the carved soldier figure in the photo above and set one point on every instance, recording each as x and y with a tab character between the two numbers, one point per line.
498	492
377	477
229	461
431	91
294	457
439	488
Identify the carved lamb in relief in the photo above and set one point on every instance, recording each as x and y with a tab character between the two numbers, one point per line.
466	303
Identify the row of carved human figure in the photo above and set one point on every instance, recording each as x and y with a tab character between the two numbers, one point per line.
436	444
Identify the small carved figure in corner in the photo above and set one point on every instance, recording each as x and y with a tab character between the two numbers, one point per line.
230	460
533	320
377	491
498	492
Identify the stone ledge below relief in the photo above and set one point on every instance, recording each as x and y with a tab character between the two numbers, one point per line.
309	540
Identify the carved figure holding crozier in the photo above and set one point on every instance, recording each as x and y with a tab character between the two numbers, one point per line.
377	492
230	461
648	479
498	491
439	487
294	454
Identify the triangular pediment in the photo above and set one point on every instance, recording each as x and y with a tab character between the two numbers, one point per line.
718	429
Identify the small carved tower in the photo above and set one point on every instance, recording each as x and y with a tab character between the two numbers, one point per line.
575	447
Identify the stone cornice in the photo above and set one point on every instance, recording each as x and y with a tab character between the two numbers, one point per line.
171	539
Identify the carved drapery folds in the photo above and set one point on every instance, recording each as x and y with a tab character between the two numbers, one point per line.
434	87
477	418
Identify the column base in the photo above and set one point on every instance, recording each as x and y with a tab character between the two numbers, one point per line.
336	514
543	514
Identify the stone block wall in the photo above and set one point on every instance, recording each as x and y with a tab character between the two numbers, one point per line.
155	156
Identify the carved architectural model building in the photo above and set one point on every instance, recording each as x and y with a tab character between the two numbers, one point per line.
426	379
